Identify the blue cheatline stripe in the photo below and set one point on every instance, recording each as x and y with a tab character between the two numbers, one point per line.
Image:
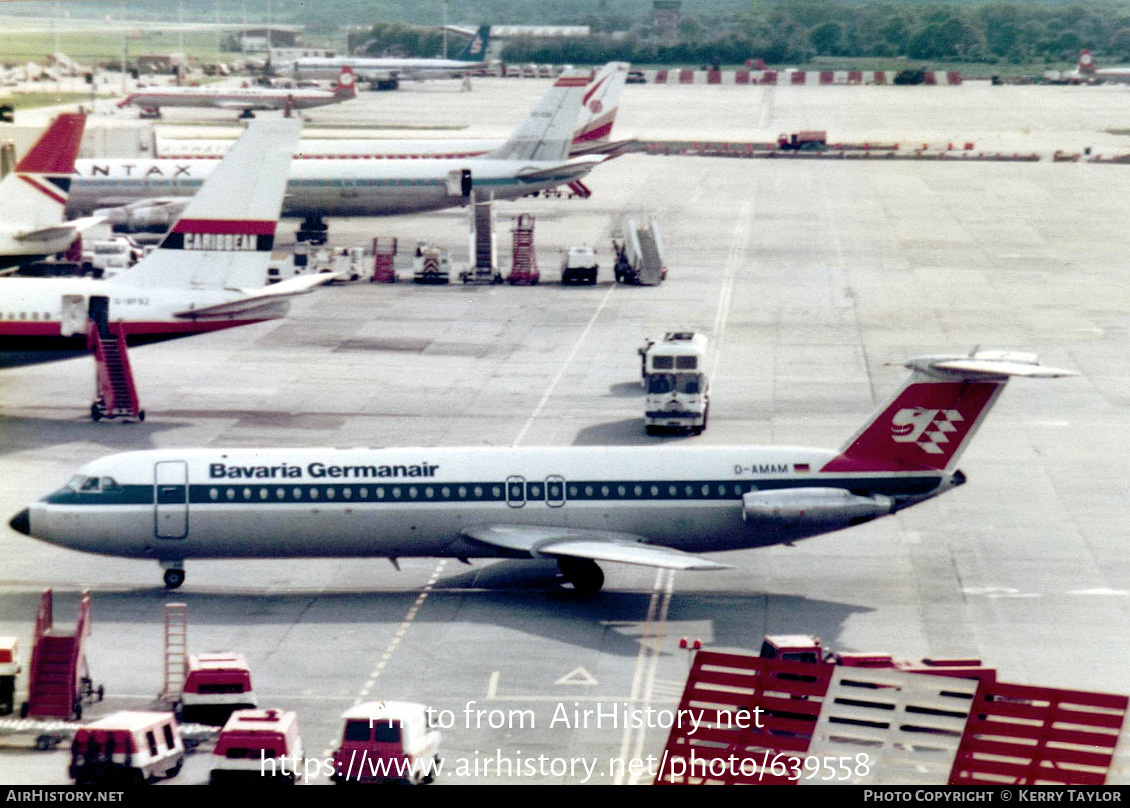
280	492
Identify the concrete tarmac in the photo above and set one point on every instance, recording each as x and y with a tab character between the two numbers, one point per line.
814	278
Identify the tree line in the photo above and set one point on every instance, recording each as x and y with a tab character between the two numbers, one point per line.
797	31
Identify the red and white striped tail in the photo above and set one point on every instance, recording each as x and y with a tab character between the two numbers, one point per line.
600	104
35	193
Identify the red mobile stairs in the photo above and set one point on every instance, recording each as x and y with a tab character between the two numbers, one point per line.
524	269
59	680
117	393
384	257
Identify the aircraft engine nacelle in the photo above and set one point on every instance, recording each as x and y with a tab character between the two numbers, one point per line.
806	511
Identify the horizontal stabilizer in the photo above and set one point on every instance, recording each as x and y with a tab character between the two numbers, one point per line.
577	167
596	545
607	148
998	363
260	298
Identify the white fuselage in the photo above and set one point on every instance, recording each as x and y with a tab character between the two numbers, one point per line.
328	188
344	148
367	69
249	98
34	311
215	503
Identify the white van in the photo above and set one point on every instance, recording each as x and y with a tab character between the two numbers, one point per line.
215	686
126	748
387	741
258	743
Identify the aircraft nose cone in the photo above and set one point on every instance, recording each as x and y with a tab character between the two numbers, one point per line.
22	522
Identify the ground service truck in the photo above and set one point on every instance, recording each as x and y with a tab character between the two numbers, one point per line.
677	388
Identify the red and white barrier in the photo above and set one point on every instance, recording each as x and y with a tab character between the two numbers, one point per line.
797	78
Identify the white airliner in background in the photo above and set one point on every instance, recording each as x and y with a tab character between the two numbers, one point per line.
1087	70
535	158
580	505
592	134
386	73
34	194
244	99
209	272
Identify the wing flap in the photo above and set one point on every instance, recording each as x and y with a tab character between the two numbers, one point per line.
597	545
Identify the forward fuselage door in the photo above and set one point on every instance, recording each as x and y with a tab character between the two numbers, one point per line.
459	182
74	316
171	496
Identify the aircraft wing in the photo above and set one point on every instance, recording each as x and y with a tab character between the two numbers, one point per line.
251	103
260	298
597	545
46	233
73	227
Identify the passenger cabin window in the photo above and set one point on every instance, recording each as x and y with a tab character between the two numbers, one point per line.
169	742
663	362
686	363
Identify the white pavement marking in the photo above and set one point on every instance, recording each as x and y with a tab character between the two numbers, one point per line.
564	366
651	644
734	259
577	676
394	643
837	276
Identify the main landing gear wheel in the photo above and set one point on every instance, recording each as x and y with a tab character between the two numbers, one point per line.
586	577
174	578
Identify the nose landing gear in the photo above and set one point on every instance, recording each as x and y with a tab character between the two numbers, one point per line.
174	574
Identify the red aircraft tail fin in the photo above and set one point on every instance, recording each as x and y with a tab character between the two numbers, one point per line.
1086	62
346	83
56	149
927	424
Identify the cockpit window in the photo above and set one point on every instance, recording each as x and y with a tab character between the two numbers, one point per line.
93	485
85	485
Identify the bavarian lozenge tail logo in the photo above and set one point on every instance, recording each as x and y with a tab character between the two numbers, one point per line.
927	428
